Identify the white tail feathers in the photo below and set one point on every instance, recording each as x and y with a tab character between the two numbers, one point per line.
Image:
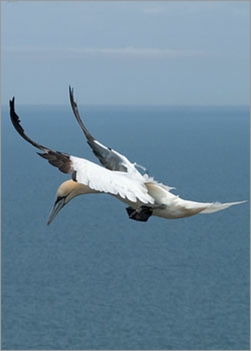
217	206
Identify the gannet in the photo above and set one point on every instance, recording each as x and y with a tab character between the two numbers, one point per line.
120	178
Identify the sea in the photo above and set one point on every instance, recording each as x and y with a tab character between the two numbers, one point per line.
96	280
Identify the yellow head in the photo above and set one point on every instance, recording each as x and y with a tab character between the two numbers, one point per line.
66	191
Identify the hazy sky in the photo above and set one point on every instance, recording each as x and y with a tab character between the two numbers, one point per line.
126	52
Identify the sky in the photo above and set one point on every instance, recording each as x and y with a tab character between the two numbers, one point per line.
126	52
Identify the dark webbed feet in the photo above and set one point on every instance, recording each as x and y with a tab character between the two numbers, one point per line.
140	214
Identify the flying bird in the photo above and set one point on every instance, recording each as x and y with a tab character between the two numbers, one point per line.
119	178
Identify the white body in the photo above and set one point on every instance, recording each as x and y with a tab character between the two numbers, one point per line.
136	190
119	178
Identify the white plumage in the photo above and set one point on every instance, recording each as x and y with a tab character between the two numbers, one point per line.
119	178
124	185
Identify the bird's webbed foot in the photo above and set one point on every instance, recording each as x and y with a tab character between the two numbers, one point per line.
140	214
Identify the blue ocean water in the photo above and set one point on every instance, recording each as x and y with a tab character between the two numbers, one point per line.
96	280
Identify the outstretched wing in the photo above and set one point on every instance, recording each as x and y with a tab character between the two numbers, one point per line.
55	158
108	157
104	180
83	171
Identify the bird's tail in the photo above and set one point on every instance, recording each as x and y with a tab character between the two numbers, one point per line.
217	206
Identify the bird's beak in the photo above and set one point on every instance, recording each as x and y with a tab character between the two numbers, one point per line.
58	205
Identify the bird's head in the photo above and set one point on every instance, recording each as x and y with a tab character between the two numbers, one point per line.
65	193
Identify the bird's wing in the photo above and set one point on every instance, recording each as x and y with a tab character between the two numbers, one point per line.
108	157
83	171
55	158
112	182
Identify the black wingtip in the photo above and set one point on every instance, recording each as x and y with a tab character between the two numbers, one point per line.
71	91
12	103
14	117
